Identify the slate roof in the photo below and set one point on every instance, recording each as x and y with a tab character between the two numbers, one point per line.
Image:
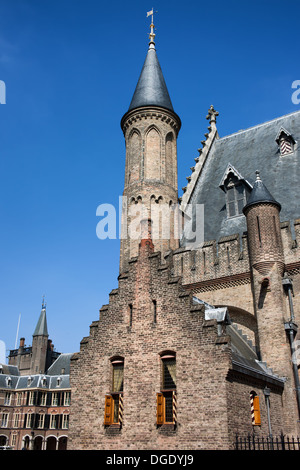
260	194
151	89
53	379
248	151
61	363
243	353
9	369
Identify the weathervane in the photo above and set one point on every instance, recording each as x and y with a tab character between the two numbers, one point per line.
152	34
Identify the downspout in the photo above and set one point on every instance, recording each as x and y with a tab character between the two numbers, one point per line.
267	392
291	328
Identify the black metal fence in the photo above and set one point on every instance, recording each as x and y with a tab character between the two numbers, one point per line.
252	442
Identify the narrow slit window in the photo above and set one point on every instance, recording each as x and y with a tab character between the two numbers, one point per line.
275	230
258	230
154	306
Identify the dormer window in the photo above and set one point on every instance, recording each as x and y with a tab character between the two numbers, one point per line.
8	381
235	197
285	142
236	189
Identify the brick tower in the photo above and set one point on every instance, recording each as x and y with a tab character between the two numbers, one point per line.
267	268
150	128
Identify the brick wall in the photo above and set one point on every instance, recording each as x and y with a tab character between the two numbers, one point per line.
212	400
201	364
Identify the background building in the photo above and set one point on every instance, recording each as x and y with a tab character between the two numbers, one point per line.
35	395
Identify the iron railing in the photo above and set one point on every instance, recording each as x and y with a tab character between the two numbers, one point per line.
252	442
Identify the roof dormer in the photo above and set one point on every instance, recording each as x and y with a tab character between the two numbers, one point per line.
236	189
285	142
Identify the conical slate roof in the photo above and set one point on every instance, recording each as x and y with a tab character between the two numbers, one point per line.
260	194
151	89
41	327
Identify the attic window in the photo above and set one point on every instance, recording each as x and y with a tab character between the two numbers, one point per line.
285	142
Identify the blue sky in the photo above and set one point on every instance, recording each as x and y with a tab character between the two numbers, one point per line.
70	69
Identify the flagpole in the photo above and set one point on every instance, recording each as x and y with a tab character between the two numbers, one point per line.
17	331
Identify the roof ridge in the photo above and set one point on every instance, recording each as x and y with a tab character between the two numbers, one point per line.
258	125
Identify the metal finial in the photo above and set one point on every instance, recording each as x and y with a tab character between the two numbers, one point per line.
43	302
152	34
257	176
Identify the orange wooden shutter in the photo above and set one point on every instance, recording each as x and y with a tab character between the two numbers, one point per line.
256	410
160	409
108	410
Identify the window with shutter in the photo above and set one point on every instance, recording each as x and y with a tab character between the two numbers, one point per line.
113	413
166	398
255	409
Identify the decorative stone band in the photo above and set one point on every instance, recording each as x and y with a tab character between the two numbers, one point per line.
292	268
220	283
265	267
151	112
